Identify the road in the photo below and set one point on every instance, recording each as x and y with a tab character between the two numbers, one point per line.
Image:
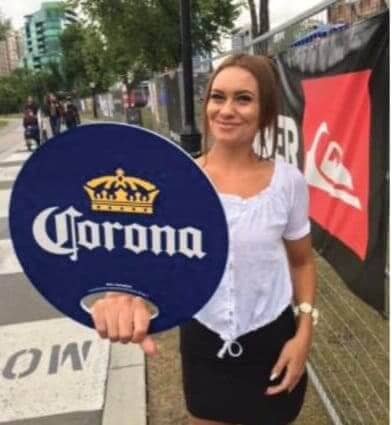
54	371
10	138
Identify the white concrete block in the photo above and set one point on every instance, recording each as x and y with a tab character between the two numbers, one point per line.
51	368
9	173
5	196
16	156
124	355
9	263
126	397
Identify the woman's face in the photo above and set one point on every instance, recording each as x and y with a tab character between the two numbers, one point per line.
233	107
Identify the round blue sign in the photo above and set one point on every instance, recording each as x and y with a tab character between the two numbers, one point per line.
112	207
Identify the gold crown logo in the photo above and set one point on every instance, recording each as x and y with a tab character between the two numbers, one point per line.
121	193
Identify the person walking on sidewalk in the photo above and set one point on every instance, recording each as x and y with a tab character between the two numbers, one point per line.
30	106
244	353
54	110
71	114
31	125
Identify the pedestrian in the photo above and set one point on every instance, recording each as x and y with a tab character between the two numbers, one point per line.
71	114
31	125
54	110
244	353
30	105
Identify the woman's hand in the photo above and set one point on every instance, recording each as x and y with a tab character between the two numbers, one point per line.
123	318
292	358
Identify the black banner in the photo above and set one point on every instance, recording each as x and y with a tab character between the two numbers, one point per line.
334	126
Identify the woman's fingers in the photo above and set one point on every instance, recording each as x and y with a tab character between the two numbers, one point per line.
141	321
149	346
291	378
294	382
98	316
125	325
125	319
283	386
112	316
292	359
279	366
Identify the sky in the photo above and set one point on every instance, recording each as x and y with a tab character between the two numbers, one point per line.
280	10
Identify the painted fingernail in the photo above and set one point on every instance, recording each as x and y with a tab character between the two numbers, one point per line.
273	376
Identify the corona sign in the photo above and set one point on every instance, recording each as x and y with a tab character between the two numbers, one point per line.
112	207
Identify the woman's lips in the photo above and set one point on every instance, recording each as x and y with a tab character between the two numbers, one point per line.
227	124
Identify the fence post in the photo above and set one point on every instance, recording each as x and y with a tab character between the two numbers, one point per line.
190	136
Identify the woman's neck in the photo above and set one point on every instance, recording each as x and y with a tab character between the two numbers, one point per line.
232	159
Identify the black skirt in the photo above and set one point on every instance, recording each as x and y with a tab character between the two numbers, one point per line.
232	389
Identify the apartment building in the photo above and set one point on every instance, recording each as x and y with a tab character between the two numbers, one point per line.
10	53
42	32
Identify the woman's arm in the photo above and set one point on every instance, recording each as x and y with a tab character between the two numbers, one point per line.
295	352
303	274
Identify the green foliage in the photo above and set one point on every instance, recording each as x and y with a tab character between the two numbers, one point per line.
85	59
5	26
145	35
125	39
73	64
15	88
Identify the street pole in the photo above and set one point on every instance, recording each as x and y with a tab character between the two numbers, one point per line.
92	85
190	136
95	105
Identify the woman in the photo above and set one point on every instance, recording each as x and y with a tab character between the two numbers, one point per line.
71	114
54	111
243	354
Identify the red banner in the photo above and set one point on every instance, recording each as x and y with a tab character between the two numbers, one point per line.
336	163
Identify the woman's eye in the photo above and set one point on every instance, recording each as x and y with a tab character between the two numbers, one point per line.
216	96
244	99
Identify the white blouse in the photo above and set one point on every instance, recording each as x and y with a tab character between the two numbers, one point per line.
256	286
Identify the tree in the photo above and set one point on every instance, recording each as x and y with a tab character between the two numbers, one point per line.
21	83
97	59
145	35
260	23
5	26
73	63
85	59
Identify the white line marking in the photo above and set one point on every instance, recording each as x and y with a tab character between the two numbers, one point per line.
5	196
9	264
9	173
17	156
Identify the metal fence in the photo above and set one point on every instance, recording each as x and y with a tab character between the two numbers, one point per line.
349	361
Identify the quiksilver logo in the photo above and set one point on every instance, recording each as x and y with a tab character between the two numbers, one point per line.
72	233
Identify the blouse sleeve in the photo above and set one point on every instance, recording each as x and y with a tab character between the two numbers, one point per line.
298	224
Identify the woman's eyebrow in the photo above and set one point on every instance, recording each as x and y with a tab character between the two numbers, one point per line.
244	92
238	92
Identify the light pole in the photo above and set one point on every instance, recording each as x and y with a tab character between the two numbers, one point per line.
190	136
92	86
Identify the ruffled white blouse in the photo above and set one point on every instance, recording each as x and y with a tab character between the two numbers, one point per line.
256	286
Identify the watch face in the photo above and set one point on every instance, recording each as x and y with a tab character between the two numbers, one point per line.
112	207
305	308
